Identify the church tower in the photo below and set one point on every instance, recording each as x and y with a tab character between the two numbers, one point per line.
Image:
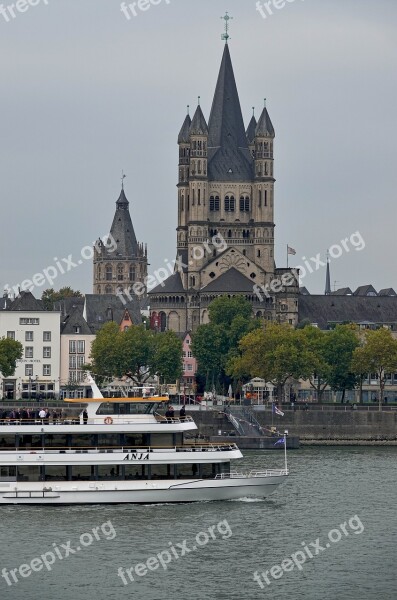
122	261
225	233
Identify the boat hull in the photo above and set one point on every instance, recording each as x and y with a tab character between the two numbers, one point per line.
126	492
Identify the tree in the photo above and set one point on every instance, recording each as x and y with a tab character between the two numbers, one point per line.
10	352
50	296
215	343
328	356
167	356
378	354
273	353
137	353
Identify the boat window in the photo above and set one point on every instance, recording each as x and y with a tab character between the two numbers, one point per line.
135	408
208	470
7	473
162	440
187	471
110	472
162	471
137	471
56	441
136	440
55	473
109	440
7	441
31	441
82	441
82	472
26	473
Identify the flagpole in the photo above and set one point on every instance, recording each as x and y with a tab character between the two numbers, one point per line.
285	450
287	256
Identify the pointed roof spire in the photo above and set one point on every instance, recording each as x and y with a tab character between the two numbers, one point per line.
251	128
199	124
328	278
183	137
265	127
228	148
122	230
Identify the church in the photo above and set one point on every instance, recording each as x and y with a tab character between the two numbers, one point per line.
225	231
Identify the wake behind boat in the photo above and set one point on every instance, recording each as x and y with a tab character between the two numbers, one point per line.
122	450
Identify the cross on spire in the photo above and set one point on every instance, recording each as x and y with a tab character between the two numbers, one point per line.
226	18
123	176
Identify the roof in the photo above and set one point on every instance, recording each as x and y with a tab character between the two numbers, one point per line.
199	124
103	308
366	290
183	137
304	291
346	291
25	301
75	319
325	310
122	231
172	285
387	292
251	130
229	158
231	281
265	127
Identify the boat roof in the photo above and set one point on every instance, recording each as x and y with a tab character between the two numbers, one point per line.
149	400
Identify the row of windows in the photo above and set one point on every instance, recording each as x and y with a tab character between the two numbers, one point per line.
118	272
29	336
29	321
29	352
29	370
76	362
188	367
229	202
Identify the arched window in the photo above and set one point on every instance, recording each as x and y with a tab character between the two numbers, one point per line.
214	203
265	197
244	203
109	273
230	204
199	196
108	289
229	233
182	202
132	273
260	199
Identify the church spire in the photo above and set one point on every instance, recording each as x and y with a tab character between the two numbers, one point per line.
328	278
229	156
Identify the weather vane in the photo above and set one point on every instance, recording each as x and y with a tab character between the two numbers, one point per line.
123	176
226	18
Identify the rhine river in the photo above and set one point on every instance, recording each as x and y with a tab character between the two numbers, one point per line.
328	487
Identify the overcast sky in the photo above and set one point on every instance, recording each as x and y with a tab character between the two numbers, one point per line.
85	93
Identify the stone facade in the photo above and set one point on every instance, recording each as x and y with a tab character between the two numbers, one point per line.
225	233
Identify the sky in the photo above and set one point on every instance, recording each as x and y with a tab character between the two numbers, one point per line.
86	92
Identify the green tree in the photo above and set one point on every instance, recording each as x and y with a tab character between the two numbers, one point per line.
215	343
273	353
167	357
378	354
137	352
50	296
10	352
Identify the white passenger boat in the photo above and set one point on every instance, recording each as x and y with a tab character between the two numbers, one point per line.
122	450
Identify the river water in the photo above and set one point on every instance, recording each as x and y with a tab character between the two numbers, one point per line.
345	498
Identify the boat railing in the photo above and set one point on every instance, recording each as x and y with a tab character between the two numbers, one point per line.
202	447
252	474
97	420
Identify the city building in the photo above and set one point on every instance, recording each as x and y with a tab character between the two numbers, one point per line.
225	233
37	374
121	263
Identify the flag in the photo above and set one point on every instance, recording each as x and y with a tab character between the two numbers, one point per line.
291	250
280	441
277	411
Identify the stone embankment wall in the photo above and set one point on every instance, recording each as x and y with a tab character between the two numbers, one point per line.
318	426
